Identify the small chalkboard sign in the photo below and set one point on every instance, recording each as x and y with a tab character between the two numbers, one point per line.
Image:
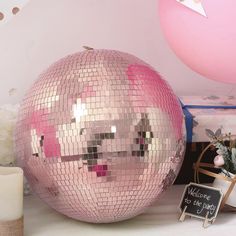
201	201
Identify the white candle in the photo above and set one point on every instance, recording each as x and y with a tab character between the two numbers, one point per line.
11	193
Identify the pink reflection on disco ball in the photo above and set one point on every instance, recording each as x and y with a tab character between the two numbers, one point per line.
100	135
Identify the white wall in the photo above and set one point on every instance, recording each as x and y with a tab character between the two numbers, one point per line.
46	30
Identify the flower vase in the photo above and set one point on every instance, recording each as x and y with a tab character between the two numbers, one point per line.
224	186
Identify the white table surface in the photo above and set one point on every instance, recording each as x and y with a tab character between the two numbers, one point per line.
161	219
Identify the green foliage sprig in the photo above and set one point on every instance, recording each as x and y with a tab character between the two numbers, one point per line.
225	146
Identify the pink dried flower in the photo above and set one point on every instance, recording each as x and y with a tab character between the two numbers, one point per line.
219	161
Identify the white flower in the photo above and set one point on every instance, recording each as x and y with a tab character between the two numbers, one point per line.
8	114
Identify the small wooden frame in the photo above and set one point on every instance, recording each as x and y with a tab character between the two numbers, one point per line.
200	201
201	167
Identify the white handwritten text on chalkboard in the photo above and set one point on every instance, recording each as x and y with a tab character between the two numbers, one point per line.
201	201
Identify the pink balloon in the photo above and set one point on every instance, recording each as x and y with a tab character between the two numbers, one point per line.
205	44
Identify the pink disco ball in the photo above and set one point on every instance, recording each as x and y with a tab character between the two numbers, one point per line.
100	135
205	44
